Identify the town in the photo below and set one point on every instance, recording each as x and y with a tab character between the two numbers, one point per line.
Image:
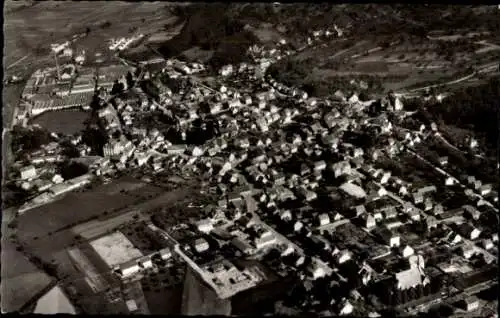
308	204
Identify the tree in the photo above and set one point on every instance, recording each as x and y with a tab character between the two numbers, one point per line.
129	79
118	87
363	96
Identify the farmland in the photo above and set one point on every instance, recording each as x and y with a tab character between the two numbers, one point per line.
21	280
411	59
31	29
75	208
51	230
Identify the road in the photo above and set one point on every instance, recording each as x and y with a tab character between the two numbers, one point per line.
438	134
488	44
18	61
464	78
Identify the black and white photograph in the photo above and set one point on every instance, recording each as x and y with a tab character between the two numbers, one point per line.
250	158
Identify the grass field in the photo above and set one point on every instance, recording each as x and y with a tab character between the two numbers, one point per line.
21	280
78	207
67	122
48	224
54	235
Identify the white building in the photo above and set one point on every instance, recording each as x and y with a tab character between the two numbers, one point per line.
201	245
408	251
323	219
346	308
129	268
205	226
28	172
226	70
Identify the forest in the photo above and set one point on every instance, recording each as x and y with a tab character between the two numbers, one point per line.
475	108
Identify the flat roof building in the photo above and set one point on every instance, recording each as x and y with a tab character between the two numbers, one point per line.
115	249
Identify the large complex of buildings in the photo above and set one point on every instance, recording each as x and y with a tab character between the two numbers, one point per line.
304	191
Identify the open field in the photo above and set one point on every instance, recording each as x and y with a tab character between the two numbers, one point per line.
10	99
21	280
396	63
63	234
18	291
78	207
30	30
55	237
66	122
93	278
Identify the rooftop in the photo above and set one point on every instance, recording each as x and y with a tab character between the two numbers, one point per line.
115	249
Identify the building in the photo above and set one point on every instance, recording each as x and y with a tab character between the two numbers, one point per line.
28	172
323	219
387	236
128	269
201	245
485	189
443	161
407	251
264	241
470	303
368	221
131	305
115	249
410	279
316	270
205	226
243	246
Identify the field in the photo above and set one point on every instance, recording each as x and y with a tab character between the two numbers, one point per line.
54	302
67	122
29	30
21	280
75	208
55	229
388	62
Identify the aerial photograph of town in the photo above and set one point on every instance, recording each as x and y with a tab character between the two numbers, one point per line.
170	158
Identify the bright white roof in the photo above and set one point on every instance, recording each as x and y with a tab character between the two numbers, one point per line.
409	278
353	190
